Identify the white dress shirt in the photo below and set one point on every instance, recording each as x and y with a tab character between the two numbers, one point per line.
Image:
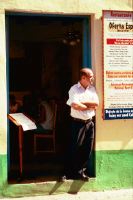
78	93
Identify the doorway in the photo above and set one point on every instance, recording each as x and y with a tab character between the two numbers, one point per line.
45	53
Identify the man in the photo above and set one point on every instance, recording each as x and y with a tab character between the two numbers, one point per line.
83	101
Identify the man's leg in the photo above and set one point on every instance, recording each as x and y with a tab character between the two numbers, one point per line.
85	148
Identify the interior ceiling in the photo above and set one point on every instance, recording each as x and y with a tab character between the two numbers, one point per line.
36	28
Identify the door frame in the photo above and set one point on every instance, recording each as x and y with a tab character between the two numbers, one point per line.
86	52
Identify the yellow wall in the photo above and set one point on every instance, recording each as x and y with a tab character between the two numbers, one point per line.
3	102
110	135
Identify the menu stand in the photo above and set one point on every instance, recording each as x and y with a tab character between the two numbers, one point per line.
20	120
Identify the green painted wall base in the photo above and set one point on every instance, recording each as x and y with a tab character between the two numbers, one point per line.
3	172
113	171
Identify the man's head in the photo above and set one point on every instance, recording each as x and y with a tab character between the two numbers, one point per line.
86	77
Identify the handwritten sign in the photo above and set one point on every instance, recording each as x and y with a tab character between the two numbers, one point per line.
118	64
24	121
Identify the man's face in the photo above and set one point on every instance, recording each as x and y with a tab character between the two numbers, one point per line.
89	78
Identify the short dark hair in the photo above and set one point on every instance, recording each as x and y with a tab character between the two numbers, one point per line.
85	72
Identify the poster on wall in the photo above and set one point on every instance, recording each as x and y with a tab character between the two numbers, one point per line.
118	64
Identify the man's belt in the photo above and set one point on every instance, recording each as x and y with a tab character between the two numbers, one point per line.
81	120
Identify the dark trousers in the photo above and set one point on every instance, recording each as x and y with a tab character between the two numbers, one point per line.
80	148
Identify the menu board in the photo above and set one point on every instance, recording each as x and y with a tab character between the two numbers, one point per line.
24	121
118	64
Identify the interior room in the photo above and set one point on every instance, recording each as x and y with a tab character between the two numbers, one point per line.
45	54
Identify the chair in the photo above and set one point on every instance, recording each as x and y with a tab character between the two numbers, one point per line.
41	146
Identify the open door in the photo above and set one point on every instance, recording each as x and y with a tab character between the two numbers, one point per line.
48	60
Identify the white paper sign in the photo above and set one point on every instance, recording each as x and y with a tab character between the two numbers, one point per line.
118	64
24	121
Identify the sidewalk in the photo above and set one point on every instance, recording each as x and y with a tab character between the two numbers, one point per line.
124	194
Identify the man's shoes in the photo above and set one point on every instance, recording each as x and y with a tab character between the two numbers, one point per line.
82	176
63	178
